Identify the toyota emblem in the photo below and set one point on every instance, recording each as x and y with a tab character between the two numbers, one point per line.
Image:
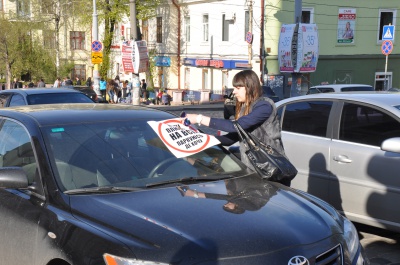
298	260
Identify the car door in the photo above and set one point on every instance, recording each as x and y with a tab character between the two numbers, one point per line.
21	210
306	139
368	178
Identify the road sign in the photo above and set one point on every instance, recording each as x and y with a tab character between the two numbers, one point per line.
97	46
387	47
249	37
388	32
97	57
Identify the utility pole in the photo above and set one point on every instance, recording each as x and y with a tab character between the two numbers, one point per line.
294	91
262	43
250	29
95	37
135	77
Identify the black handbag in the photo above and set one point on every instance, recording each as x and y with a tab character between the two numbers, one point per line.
267	161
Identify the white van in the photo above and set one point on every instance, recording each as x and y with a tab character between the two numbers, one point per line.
339	88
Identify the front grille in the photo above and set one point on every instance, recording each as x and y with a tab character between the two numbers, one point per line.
333	256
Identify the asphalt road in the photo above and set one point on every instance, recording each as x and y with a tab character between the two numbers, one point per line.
382	247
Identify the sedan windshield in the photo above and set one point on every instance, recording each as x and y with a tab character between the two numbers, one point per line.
128	154
50	98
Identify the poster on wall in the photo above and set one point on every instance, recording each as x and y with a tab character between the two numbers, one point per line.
346	25
308	48
298	48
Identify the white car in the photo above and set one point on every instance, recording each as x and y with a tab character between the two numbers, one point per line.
339	88
346	147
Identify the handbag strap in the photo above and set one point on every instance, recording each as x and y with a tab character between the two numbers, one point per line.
243	135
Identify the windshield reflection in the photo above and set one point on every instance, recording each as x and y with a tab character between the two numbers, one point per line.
126	154
242	194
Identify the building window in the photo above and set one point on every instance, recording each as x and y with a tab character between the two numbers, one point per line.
23	8
80	72
225	27
47	6
159	29
205	27
307	15
49	39
145	30
77	40
386	17
246	23
187	28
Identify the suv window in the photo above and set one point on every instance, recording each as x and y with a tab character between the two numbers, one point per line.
315	90
17	100
357	88
3	99
16	149
366	125
307	117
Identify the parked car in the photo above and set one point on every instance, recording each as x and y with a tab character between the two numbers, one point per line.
88	91
94	184
346	147
230	100
33	96
339	88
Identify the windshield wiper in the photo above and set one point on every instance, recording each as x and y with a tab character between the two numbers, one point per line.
189	180
104	189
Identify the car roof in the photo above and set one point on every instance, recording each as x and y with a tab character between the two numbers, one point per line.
35	91
341	85
72	113
380	98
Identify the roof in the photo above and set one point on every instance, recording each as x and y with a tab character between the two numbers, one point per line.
33	91
52	114
342	85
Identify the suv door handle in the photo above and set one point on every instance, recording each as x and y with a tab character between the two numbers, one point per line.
342	159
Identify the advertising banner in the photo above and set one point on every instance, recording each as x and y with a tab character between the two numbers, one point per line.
286	56
182	140
298	48
308	49
140	57
346	25
126	56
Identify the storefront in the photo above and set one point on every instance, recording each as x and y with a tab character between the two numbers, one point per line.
211	75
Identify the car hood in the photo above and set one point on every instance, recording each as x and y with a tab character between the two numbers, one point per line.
161	221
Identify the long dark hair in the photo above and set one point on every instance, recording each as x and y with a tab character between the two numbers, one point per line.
249	80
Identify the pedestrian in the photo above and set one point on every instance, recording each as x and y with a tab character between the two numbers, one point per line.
57	83
68	81
41	83
78	81
124	89
159	96
143	89
103	87
255	113
165	98
110	90
89	82
31	84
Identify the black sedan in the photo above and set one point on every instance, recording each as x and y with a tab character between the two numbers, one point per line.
94	184
34	96
90	92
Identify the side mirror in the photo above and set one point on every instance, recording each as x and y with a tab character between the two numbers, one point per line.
13	178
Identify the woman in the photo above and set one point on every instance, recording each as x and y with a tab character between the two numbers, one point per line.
348	33
255	113
110	90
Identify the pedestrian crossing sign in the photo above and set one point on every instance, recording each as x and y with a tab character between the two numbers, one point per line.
388	32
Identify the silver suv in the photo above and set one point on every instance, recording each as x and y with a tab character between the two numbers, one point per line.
339	88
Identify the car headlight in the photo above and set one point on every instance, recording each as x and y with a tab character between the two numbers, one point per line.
351	237
115	260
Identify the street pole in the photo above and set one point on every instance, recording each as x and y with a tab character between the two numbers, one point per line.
250	48
295	90
262	48
135	77
95	37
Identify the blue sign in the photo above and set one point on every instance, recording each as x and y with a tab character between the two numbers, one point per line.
162	61
388	33
387	47
97	46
